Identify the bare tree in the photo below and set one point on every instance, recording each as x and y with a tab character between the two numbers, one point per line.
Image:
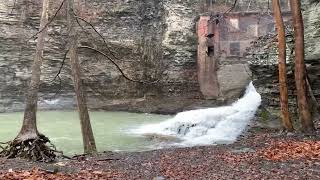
87	134
29	143
300	70
286	121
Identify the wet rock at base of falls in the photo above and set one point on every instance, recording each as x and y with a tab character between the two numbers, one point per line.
161	138
185	128
267	118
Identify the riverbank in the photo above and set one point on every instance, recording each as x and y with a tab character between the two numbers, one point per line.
154	105
259	153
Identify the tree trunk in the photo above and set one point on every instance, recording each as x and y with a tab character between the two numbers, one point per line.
87	134
300	73
29	126
286	121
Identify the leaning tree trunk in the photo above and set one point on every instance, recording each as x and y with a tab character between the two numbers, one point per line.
29	126
87	134
300	72
286	121
29	143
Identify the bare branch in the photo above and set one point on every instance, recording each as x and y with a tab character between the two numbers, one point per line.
95	30
62	64
58	75
49	22
117	66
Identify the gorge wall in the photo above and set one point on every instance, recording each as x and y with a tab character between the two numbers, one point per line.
151	40
264	62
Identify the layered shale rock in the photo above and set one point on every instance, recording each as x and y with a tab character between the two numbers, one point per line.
264	62
151	40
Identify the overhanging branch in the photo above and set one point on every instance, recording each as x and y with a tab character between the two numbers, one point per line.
50	21
117	66
96	31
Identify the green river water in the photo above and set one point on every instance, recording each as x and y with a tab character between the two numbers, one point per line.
63	128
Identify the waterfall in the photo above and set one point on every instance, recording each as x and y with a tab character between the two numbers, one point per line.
209	126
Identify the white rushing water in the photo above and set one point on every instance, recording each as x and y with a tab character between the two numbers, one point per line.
208	126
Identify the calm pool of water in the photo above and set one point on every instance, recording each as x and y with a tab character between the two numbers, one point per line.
63	128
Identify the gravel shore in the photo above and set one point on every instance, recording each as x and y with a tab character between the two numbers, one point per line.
258	154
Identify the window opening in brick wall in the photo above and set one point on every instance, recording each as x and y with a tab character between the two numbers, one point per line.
210	45
235	48
234	25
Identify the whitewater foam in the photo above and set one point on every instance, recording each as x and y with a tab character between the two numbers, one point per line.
209	126
51	102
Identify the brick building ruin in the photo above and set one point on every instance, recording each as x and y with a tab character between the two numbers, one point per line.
224	37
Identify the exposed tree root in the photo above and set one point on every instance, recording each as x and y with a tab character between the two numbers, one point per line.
35	149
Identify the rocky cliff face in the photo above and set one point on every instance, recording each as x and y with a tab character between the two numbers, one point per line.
263	61
151	40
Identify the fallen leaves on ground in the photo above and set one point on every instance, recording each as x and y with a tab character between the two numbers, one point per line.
286	150
258	155
37	174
